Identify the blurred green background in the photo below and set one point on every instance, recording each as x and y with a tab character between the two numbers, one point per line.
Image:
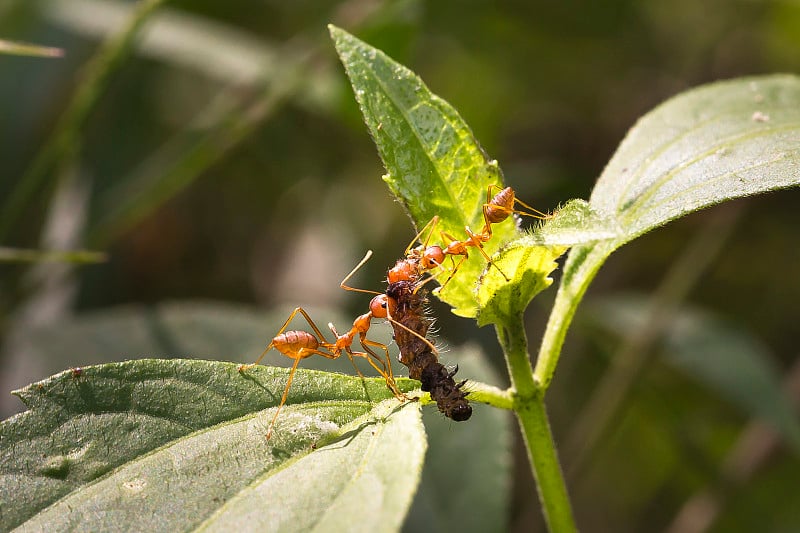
225	160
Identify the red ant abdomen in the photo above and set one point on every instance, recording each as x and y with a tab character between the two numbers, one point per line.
501	206
291	342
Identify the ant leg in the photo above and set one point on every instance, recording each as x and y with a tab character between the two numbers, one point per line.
459	250
320	335
456	266
352	272
489	191
243	368
390	382
535	213
420	284
475	239
487	227
453	272
283	398
432	223
366	344
300	354
386	370
426	341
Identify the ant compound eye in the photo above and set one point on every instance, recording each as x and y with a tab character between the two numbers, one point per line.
378	306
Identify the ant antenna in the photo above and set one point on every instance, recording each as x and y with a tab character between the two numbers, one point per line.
352	272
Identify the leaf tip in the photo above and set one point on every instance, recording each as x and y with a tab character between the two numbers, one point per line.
338	35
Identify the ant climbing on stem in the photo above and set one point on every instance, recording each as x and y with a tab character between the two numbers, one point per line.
299	344
496	209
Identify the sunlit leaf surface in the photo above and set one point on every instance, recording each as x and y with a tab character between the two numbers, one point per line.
436	167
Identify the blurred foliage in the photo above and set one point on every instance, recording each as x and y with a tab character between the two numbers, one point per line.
225	158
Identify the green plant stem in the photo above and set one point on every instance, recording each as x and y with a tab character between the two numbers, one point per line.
491	395
25	49
19	255
532	417
65	137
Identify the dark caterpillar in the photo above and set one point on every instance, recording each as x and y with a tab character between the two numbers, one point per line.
416	351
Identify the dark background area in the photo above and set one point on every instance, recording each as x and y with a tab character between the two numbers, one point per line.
289	199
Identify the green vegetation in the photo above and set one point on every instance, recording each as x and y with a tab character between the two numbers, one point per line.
159	176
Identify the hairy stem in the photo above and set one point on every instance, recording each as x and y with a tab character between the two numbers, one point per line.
490	395
532	416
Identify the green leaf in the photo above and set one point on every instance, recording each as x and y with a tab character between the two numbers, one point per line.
721	141
723	357
437	168
718	142
574	223
500	301
531	260
112	447
435	165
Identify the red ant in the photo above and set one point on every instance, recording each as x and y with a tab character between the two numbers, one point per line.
298	344
501	206
495	210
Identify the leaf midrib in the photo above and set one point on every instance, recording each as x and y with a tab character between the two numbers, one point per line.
655	186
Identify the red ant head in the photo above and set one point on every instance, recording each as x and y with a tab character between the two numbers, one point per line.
433	257
403	270
382	306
